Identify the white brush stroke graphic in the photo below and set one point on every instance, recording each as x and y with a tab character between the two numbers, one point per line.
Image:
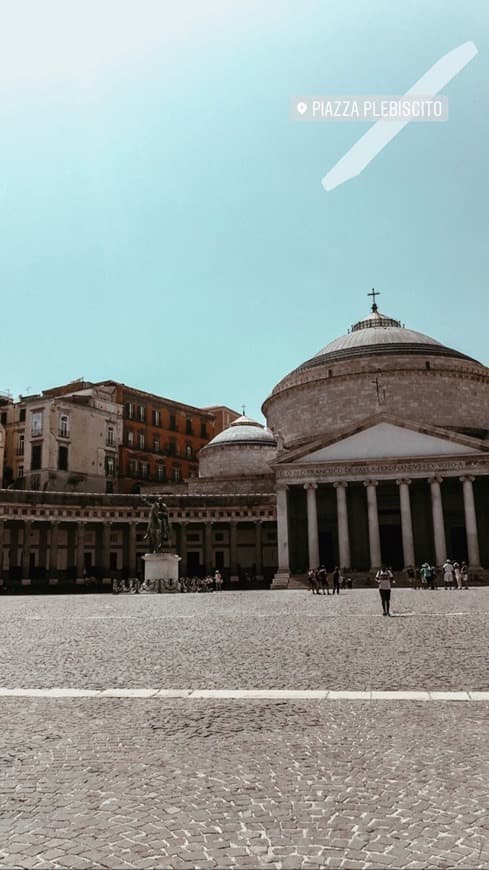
374	140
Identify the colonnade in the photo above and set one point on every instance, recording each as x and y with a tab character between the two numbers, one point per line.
77	545
374	541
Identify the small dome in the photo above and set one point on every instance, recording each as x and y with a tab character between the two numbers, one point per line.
243	430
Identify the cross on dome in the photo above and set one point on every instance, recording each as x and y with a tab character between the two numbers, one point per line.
373	294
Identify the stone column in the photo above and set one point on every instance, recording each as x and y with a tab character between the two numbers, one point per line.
259	550
43	547
183	549
312	525
208	547
80	549
470	521
2	527
343	530
373	524
26	549
281	579
233	551
53	550
406	523
106	549
132	554
438	524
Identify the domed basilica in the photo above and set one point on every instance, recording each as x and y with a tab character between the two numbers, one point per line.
377	452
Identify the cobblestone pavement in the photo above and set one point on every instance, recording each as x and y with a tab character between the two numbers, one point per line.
239	640
173	783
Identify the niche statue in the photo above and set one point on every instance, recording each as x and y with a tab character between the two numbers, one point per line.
158	529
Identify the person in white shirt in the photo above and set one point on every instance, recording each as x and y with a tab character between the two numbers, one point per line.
448	574
385	580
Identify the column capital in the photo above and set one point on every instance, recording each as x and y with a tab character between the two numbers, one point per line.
435	479
281	486
310	486
370	482
467	477
401	480
340	483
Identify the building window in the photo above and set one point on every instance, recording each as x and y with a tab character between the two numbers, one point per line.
141	440
3	418
203	430
188	427
37	423
177	474
22	415
142	413
173	423
36	457
109	466
188	451
110	437
172	447
20	445
20	471
130	410
156	444
35	481
109	486
144	470
156	418
132	467
160	472
63	426
130	438
62	458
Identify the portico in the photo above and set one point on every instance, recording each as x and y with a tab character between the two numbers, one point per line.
407	497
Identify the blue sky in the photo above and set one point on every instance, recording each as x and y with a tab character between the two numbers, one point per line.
163	221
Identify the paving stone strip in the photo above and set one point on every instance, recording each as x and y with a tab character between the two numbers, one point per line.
244	694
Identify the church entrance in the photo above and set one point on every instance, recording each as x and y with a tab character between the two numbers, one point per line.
391	546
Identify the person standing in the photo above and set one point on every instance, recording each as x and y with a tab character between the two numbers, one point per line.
464	573
336	580
448	574
385	580
218	581
458	575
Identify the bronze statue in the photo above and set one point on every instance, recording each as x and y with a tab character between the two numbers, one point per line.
158	529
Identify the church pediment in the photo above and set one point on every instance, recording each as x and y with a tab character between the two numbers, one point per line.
385	440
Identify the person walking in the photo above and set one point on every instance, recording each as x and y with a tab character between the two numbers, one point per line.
385	580
322	576
458	575
218	581
336	580
464	572
313	581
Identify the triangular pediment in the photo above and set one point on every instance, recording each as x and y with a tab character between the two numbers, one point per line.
386	440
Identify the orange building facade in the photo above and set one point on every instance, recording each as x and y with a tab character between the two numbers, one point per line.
161	438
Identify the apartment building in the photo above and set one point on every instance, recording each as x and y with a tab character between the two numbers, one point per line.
65	439
162	438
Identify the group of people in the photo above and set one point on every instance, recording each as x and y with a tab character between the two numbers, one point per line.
210	583
454	575
319	581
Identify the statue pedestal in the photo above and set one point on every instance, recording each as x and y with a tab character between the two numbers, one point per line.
161	572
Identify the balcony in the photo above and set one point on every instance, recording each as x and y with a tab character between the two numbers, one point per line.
19	451
36	432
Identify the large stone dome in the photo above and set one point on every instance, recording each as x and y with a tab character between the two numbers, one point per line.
379	366
379	334
245	448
